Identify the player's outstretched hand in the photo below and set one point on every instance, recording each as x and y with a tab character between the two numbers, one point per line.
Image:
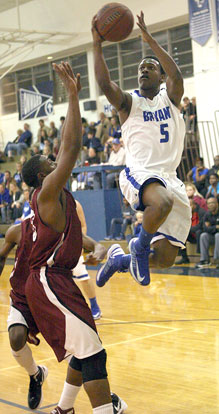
69	80
141	24
96	36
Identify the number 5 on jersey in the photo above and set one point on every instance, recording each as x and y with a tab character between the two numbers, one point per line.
164	132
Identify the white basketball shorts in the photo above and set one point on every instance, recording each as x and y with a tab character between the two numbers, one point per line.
177	225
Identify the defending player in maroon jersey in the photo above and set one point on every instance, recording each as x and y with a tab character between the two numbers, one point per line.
58	307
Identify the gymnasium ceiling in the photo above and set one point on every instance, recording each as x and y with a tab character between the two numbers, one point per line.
32	30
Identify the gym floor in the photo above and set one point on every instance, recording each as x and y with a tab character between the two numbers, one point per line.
162	343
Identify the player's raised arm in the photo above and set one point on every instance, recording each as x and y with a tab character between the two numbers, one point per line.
12	237
174	81
120	100
71	138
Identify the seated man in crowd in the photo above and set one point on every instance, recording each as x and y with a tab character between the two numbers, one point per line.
21	143
198	214
17	175
215	168
210	235
103	128
5	203
198	175
26	207
124	221
116	158
213	189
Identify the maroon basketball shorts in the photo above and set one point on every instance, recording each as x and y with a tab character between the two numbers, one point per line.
20	314
62	314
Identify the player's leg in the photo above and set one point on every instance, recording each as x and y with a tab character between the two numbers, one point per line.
70	390
97	387
18	336
81	275
163	254
89	290
157	202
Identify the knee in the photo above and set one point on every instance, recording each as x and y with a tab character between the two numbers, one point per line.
17	339
94	367
164	205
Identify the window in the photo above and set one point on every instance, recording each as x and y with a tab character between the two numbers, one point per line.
41	73
123	58
79	65
8	93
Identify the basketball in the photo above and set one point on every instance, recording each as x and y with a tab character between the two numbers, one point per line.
114	22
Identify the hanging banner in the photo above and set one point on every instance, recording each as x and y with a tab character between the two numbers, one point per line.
199	21
36	101
217	17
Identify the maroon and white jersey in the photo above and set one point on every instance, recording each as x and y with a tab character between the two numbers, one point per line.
51	248
21	270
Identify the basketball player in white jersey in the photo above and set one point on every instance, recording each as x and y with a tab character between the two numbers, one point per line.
153	134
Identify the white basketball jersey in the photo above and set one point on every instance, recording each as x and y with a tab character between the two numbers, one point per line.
153	134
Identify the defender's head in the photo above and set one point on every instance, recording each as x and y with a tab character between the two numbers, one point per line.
150	73
36	169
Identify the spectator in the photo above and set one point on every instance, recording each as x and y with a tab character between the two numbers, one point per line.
198	175
16	207
53	131
5	201
7	179
102	128
23	142
19	133
26	207
55	148
116	158
86	178
124	221
193	194
35	150
213	189
195	231
210	235
23	159
42	128
187	111
93	141
17	175
138	223
43	139
115	128
62	120
215	168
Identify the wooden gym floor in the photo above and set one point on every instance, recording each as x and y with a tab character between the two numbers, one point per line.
162	343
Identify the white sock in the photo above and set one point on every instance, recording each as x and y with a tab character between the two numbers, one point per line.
104	409
68	396
25	359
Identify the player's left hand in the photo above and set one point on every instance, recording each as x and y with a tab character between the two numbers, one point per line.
144	31
70	81
96	256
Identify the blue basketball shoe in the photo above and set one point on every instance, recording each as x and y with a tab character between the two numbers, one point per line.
139	265
112	265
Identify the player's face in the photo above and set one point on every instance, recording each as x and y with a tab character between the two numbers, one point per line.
48	165
149	75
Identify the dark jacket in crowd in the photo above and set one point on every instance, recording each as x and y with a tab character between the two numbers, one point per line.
213	219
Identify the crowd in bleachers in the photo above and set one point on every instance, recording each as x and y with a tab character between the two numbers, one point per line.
103	145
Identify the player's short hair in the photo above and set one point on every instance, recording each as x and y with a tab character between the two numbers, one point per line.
157	60
30	170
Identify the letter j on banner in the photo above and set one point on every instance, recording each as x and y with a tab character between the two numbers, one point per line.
199	21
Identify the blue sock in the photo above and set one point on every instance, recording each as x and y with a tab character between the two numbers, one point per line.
143	241
93	302
122	262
